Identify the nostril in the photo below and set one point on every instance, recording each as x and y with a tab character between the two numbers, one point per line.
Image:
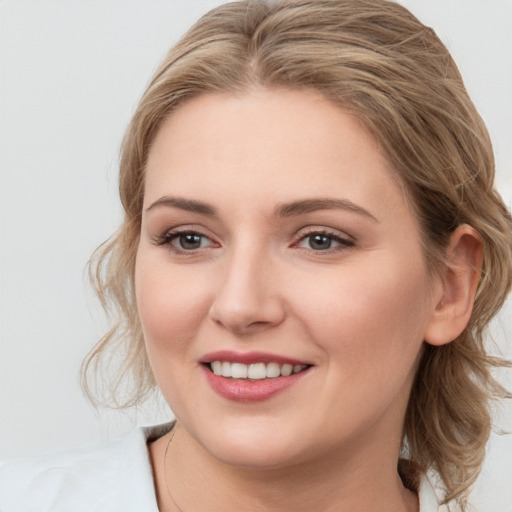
246	303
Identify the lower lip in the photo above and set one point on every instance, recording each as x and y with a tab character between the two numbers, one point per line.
244	390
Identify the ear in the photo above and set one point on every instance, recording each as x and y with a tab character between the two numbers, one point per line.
456	287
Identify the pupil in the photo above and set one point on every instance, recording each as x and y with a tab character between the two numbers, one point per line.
190	241
320	242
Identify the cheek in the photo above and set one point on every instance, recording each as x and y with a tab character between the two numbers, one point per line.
170	303
369	315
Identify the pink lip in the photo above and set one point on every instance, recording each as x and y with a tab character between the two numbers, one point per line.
245	390
249	358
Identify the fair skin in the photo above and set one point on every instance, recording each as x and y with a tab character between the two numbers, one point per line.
272	224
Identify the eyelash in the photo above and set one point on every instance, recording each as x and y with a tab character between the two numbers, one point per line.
167	238
344	243
170	236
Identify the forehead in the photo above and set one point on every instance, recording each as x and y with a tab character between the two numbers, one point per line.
277	145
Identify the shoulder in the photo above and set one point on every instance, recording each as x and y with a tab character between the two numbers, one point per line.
114	476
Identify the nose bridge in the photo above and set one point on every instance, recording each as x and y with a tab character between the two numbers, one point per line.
247	297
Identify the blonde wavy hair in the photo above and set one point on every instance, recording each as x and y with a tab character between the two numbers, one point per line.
377	61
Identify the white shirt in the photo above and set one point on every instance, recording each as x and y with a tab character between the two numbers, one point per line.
113	477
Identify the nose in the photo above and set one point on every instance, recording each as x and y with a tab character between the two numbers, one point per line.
248	299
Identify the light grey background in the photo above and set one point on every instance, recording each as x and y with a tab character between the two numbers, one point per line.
71	72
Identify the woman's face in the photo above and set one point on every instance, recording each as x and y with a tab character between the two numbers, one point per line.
274	239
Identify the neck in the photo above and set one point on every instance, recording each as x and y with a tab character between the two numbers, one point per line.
189	479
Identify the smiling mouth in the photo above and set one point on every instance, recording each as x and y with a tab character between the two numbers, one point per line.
255	371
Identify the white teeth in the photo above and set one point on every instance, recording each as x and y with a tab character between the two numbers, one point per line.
217	367
226	369
273	370
255	371
286	370
239	371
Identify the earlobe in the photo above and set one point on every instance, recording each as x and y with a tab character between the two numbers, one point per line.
456	287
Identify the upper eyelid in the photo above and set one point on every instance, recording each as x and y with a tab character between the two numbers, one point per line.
176	232
188	228
343	240
299	235
335	233
169	237
165	237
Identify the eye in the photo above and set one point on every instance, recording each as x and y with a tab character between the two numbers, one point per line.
319	242
189	241
185	241
323	241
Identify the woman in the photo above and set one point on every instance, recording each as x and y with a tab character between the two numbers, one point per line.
310	253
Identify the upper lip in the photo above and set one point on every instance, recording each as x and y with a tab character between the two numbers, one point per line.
250	358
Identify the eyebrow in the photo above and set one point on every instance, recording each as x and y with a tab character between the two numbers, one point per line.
189	205
291	209
311	205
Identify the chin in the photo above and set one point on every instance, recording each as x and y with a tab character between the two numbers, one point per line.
252	448
255	457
